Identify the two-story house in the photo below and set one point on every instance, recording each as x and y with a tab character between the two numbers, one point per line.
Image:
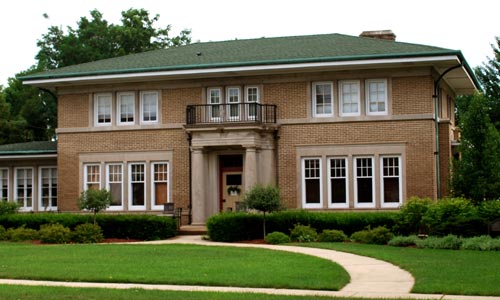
336	122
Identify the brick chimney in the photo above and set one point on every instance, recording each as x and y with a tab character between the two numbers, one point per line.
379	34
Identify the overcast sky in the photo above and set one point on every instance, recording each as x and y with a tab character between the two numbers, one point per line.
470	26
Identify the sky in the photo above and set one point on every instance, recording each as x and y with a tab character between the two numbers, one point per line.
469	26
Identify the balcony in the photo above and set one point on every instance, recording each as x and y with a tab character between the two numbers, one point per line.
238	113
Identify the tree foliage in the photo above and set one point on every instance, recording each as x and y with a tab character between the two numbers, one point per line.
265	199
94	201
476	175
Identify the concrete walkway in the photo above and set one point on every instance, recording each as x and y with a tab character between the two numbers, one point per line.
370	278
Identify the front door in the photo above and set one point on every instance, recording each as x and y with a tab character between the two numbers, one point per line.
230	182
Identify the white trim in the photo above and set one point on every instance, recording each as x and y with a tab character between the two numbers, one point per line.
355	178
332	100
367	97
108	186
341	98
230	103
24	207
338	205
383	204
303	182
130	194
276	67
85	175
153	194
96	109
142	93
5	197
40	187
27	156
119	111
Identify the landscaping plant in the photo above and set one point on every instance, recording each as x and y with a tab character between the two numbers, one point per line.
276	238
303	234
332	236
87	233
94	201
265	199
379	235
8	207
54	234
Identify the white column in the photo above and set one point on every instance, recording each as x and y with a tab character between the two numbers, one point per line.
198	186
250	168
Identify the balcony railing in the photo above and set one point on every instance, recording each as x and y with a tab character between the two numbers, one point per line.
230	113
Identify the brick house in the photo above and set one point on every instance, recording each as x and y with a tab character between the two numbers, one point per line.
337	122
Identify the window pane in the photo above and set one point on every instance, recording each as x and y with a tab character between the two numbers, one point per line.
48	188
323	98
137	193
365	190
338	190
3	184
364	180
377	95
252	94
137	184
149	107
391	190
312	191
338	180
116	193
391	179
103	109
161	194
127	108
115	183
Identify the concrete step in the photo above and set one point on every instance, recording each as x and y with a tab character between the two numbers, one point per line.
193	230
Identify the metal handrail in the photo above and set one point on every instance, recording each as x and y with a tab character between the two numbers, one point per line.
230	113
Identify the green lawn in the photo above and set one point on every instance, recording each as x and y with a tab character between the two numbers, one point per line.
456	272
170	264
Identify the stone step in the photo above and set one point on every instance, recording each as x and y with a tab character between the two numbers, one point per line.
193	230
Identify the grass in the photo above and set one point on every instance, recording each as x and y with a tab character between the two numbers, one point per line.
170	264
454	272
15	292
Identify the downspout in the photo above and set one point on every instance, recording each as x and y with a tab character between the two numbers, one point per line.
436	124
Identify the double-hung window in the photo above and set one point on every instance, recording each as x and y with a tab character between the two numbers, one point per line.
115	185
376	96
103	104
92	177
233	99
214	100
391	193
338	187
24	187
4	184
322	94
149	107
364	187
137	186
160	185
311	183
126	108
349	98
48	188
252	94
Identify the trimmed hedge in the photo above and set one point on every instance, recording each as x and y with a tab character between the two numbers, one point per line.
231	227
136	227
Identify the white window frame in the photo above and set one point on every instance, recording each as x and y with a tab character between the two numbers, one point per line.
85	176
40	188
108	97
367	97
24	207
2	178
249	103
330	188
314	99
108	185
142	95
400	183
119	108
355	177
130	182
153	182
303	175
229	103
214	104
342	84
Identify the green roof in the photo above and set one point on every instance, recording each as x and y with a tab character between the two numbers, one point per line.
250	52
30	148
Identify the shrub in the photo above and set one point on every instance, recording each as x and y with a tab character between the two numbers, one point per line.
8	207
403	241
379	235
22	234
231	227
303	234
332	236
87	233
448	242
264	199
489	211
277	238
95	201
3	233
483	243
54	234
410	218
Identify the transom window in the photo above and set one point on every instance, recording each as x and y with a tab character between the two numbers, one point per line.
322	99
311	184
24	187
349	98
4	184
126	108
48	188
103	109
338	185
160	185
115	185
364	182
376	96
391	181
149	107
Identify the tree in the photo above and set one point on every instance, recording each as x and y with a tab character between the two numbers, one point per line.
264	199
489	76
476	175
94	201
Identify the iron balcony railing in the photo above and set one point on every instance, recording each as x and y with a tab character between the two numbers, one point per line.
230	113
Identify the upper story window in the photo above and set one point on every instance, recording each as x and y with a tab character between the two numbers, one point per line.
214	99
126	108
103	109
252	97
349	98
149	107
233	98
322	94
376	96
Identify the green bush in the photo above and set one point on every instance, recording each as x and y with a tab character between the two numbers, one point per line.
410	218
403	241
87	233
3	233
231	227
379	236
450	241
22	234
277	238
8	207
489	211
54	234
303	234
332	236
483	243
265	199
